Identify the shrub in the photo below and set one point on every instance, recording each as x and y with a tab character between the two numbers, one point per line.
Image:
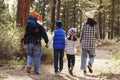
106	42
10	45
47	56
117	55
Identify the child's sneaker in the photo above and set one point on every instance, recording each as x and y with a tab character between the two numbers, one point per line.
85	72
70	72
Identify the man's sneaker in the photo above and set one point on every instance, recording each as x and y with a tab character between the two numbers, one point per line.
36	73
90	68
28	69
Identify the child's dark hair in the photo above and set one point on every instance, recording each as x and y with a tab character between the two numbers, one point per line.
74	38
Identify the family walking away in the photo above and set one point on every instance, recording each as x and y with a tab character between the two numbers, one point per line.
35	31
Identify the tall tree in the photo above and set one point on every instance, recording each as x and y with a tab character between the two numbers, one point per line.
74	14
43	10
119	20
53	14
58	10
112	21
100	19
22	12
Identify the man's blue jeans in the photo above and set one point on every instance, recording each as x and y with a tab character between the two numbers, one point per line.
34	52
91	54
58	57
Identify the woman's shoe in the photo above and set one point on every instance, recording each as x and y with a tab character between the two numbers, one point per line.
90	68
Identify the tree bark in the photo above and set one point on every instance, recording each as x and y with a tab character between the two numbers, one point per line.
22	12
112	21
74	13
100	14
104	19
58	10
119	20
43	10
53	15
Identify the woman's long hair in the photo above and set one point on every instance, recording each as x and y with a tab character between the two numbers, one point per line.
91	22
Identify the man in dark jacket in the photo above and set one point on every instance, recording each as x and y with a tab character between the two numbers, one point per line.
58	37
34	32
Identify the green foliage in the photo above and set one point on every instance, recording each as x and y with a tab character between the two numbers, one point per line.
116	55
10	37
117	39
47	56
72	13
104	76
15	61
11	46
2	10
2	6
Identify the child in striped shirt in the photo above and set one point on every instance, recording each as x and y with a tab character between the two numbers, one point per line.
71	44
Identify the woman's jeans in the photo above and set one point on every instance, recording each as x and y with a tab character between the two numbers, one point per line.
91	54
34	52
58	57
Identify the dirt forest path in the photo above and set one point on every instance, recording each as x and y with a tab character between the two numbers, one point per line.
47	71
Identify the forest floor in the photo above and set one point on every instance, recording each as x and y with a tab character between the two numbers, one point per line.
103	68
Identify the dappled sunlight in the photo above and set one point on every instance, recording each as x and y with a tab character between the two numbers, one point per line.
18	78
47	72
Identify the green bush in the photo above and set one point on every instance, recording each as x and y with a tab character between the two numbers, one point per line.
117	39
47	56
10	44
117	55
15	61
11	48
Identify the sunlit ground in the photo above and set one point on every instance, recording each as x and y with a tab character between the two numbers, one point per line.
47	71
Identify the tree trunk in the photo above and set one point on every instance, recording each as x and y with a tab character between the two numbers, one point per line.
112	21
58	10
22	12
119	20
53	15
43	10
74	14
104	24
100	14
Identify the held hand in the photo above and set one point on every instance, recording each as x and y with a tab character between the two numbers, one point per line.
99	42
46	46
24	46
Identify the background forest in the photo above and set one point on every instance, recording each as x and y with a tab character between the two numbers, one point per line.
14	14
13	18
